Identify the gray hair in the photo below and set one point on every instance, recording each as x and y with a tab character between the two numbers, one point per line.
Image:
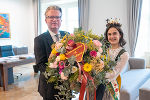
54	7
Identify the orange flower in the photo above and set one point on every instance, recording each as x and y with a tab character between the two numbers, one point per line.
54	51
62	57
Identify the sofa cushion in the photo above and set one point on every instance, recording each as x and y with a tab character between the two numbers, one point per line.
132	80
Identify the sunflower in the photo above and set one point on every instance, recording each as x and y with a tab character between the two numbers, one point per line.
87	67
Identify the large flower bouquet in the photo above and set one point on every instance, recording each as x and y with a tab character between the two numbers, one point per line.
78	63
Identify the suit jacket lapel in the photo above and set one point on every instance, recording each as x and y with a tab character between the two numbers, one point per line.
49	38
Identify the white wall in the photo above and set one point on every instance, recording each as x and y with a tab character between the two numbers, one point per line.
21	22
100	10
22	27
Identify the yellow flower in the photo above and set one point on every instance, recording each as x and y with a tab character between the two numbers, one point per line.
85	37
64	38
87	67
53	46
103	56
62	57
54	51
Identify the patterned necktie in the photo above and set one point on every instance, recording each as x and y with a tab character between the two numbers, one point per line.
57	37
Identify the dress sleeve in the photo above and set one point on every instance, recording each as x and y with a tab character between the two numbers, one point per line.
118	68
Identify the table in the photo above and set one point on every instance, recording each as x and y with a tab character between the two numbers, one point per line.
12	61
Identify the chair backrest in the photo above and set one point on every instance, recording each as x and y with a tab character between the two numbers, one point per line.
6	50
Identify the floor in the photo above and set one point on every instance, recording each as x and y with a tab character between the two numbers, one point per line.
25	87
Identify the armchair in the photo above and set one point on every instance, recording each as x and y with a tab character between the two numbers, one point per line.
4	52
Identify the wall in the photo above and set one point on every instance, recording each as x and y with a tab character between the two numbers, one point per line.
100	10
22	27
21	22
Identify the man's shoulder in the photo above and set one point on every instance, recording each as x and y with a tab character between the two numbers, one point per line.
63	33
43	35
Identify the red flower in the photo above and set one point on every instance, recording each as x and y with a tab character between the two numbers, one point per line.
69	47
115	85
71	43
116	90
93	53
57	54
61	64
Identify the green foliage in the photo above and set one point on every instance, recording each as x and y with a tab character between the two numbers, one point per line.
52	79
72	60
52	71
52	59
112	63
67	71
73	83
86	57
65	90
99	78
62	50
74	76
51	74
93	36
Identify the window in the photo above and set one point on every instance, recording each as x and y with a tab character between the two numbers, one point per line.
143	49
69	14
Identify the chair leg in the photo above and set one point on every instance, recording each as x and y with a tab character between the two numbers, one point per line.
17	76
35	68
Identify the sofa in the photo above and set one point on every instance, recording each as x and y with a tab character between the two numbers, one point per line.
18	50
133	77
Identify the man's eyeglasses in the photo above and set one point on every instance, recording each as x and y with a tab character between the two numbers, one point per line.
52	17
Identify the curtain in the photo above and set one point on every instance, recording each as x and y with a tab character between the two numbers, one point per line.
83	7
142	48
35	15
134	14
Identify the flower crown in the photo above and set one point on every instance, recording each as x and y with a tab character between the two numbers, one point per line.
113	22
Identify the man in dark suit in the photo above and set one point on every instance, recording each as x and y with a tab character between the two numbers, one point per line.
42	49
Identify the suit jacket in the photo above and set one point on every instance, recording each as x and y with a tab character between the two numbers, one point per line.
42	50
